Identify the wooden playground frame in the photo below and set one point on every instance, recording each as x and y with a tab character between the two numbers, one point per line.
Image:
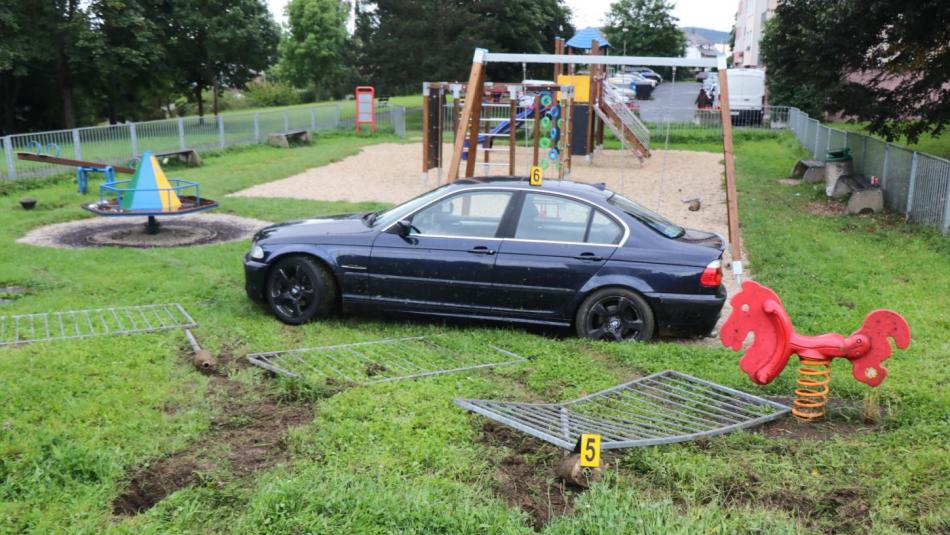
468	129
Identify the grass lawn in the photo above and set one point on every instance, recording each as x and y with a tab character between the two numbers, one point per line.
79	419
935	145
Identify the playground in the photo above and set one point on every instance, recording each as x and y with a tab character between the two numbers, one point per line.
145	392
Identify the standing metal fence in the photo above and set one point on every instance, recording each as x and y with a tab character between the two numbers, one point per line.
121	143
914	183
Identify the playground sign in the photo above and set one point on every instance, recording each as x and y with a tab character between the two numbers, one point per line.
365	107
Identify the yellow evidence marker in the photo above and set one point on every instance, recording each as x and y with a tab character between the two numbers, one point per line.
590	450
536	178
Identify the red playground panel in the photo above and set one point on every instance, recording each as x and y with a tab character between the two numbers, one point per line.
365	107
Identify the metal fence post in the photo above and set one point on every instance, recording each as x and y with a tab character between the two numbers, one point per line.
257	126
887	156
910	187
134	139
313	120
864	153
286	122
181	134
8	152
220	130
817	129
946	215
77	151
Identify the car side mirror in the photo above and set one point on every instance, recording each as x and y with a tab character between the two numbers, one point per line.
404	227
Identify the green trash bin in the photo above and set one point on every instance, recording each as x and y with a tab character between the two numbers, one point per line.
838	163
838	155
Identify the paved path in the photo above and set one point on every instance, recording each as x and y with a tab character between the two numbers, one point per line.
675	100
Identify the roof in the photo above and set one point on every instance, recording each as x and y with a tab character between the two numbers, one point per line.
591	191
584	39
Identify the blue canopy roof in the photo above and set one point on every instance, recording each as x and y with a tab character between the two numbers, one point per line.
584	39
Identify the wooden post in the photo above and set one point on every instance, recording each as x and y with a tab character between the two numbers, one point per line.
537	128
512	134
473	107
732	204
593	100
475	119
426	109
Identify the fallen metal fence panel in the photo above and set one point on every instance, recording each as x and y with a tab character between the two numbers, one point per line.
111	321
379	361
662	408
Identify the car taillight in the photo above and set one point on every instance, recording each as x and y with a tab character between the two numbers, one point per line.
712	275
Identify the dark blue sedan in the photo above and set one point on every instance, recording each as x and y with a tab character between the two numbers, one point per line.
563	254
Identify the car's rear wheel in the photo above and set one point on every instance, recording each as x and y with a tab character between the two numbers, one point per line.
299	290
615	314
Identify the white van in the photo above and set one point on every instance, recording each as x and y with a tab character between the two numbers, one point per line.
746	96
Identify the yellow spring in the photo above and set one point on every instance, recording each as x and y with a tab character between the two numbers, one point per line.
813	378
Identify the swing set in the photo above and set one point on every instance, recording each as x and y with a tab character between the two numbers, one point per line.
552	107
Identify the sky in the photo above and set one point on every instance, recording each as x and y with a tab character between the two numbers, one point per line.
713	14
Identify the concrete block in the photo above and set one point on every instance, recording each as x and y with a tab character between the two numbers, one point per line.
864	200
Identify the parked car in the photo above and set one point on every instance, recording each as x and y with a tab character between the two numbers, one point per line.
563	254
746	96
646	72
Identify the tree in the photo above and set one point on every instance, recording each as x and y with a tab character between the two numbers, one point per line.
881	61
651	28
405	42
217	43
128	48
315	51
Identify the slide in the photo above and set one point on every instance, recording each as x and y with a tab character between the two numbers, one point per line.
503	127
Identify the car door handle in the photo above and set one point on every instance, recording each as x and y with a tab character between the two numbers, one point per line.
589	256
481	249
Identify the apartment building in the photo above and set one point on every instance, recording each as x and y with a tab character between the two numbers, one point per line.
750	25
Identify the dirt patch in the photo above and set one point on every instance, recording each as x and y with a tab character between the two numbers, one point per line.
525	477
789	181
246	435
827	208
175	231
845	417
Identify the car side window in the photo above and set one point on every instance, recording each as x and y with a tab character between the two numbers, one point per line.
475	214
603	230
552	218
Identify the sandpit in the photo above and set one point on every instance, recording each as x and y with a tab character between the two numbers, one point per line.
178	231
391	173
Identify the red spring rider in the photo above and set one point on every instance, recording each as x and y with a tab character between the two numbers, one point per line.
756	309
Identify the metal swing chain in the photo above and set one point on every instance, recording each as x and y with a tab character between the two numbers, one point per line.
666	145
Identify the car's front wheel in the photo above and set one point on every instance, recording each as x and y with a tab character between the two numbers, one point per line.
299	290
615	314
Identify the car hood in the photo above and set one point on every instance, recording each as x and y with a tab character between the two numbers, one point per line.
305	229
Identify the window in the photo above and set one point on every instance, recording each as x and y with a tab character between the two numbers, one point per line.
647	217
553	218
604	230
474	215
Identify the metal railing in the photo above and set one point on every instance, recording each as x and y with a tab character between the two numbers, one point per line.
914	183
118	144
616	101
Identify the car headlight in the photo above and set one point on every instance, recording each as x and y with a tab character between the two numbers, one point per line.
257	252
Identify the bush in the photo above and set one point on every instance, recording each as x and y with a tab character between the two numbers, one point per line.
272	94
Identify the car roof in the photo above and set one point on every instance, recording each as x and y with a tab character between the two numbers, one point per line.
586	190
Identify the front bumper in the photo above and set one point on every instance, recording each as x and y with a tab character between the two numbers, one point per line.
255	278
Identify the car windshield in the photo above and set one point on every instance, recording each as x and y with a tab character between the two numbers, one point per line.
384	219
650	218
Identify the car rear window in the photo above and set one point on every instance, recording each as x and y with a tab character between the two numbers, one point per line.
648	217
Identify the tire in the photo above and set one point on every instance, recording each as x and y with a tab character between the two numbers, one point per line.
299	290
615	314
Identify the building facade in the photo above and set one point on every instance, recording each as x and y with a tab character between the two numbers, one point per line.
750	25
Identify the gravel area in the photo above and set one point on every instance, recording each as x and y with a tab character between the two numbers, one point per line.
177	231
